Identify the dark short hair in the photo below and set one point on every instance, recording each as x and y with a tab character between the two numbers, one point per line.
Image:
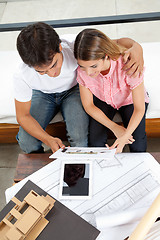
37	44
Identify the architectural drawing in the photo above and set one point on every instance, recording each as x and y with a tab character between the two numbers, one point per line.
110	162
132	183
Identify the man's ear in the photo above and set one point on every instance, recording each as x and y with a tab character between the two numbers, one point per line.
60	47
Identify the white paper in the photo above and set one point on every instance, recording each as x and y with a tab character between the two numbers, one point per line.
119	218
132	182
154	233
85	152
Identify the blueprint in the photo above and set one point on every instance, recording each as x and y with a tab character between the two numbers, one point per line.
131	182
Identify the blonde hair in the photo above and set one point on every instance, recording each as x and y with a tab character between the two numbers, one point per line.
92	44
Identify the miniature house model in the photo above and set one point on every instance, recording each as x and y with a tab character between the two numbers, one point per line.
26	220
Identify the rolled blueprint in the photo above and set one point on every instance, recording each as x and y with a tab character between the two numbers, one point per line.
154	233
119	218
147	221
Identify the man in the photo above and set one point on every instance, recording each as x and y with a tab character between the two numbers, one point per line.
45	83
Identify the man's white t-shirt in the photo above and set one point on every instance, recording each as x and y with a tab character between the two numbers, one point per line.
26	78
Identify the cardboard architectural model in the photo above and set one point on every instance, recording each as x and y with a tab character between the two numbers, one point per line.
62	222
26	219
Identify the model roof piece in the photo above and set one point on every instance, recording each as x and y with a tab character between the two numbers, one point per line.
26	220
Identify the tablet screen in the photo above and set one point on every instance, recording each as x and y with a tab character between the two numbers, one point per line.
75	182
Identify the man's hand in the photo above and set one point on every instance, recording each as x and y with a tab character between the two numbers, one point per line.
55	143
133	59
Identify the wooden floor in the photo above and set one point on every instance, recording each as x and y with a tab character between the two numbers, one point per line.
8	132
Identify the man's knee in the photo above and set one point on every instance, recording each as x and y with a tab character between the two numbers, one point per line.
28	143
78	138
77	130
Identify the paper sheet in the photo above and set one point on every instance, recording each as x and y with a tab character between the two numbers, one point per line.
154	233
133	182
119	218
85	152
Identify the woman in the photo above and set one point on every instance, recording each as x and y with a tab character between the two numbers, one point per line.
105	89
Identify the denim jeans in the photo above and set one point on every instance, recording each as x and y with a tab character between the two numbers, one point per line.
98	132
45	106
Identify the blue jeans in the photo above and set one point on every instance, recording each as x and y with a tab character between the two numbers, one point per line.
98	132
45	106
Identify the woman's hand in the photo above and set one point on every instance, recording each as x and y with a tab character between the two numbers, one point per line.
121	142
122	138
119	131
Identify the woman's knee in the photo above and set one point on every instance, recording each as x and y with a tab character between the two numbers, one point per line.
97	135
140	145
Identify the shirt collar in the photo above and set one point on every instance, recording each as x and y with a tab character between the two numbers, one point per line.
112	67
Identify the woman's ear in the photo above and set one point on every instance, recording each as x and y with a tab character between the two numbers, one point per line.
60	47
